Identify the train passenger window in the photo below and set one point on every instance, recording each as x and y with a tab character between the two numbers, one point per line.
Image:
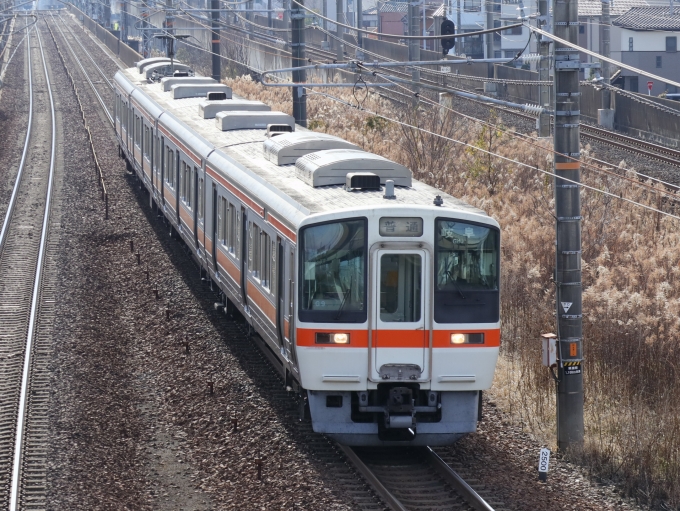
182	181
400	287
236	250
466	264
232	228
265	259
272	271
332	282
254	249
223	227
201	201
156	154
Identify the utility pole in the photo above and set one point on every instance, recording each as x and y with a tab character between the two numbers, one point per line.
414	44
568	228
543	121
324	24
459	29
360	21
488	5
215	20
338	30
124	22
605	116
297	16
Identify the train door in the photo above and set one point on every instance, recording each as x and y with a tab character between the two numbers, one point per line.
244	256
196	203
400	322
177	185
213	231
164	157
289	331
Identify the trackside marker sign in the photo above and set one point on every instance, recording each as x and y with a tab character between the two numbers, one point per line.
543	464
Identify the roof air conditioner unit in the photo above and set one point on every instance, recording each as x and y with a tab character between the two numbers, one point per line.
180	74
198	91
209	109
287	148
167	83
324	168
240	120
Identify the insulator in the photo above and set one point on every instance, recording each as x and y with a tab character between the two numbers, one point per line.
532	57
533	109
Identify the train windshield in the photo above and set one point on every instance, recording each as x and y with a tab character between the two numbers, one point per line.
332	274
466	262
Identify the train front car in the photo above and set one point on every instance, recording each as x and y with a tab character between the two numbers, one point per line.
398	326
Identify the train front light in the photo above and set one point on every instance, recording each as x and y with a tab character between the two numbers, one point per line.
458	338
331	338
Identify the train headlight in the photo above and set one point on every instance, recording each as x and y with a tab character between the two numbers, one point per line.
467	338
331	338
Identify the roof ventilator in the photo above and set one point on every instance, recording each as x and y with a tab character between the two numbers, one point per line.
389	190
217	96
278	129
362	181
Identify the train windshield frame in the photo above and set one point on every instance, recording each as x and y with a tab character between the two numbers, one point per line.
333	272
466	286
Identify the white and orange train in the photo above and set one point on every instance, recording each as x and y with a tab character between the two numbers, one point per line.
376	294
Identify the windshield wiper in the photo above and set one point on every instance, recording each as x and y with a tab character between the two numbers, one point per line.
344	298
453	281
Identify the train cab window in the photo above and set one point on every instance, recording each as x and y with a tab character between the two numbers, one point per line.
466	262
201	201
332	282
400	287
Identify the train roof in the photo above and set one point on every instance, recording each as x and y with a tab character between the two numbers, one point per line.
244	150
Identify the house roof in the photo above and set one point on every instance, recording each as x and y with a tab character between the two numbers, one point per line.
617	7
650	18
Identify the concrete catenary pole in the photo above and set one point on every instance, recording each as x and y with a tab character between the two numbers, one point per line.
414	44
543	122
605	116
215	40
324	24
461	42
488	6
297	16
568	228
360	22
340	47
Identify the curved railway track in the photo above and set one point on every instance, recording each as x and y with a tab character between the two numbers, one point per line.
26	298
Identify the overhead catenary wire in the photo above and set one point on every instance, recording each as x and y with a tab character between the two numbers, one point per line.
496	155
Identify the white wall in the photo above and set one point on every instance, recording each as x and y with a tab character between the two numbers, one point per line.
646	41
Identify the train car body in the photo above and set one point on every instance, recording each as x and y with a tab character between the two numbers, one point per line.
381	307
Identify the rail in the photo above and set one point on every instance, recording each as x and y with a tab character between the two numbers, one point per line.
26	372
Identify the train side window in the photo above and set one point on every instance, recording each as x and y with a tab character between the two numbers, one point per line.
237	245
265	259
220	220
156	154
182	181
254	250
201	201
223	213
232	229
272	266
190	196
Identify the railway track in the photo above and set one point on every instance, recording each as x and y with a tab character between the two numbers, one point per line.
26	299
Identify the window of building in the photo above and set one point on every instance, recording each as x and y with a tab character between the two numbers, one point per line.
513	31
633	83
658	61
472	5
630	44
672	44
497	54
496	35
581	29
510	54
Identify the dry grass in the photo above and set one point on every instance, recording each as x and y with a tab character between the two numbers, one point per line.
631	272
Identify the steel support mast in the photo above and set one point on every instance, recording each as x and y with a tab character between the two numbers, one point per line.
215	40
568	227
297	17
414	31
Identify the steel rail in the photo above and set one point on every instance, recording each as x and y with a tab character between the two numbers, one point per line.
375	483
23	398
22	164
89	55
87	76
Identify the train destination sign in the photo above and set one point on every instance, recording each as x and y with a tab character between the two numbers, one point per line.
401	226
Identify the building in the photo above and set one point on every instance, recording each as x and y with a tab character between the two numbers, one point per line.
647	39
